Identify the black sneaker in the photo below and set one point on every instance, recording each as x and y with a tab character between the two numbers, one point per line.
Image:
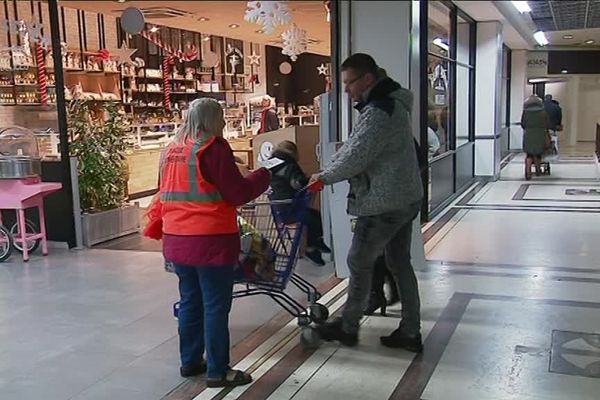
193	370
400	340
315	257
331	331
323	248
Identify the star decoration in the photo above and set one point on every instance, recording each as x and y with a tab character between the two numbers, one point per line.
254	59
322	69
45	42
123	55
35	29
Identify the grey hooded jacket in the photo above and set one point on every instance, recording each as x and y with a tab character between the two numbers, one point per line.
379	158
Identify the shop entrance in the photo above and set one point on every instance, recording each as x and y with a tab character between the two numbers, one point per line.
192	49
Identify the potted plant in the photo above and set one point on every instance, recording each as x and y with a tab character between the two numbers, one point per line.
98	141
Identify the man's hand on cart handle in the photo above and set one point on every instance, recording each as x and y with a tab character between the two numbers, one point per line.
315	184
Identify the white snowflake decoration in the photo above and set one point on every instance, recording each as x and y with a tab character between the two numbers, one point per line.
294	42
268	14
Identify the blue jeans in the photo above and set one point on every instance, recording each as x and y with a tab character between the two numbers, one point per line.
206	295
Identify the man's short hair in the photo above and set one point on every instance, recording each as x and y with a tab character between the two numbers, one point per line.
548	97
362	64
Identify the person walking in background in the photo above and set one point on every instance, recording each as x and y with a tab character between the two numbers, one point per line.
380	162
200	187
286	181
269	121
534	122
554	113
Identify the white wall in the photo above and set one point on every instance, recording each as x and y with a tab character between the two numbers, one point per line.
488	77
579	98
588	113
382	29
518	92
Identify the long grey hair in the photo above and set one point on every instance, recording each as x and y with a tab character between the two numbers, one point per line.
204	119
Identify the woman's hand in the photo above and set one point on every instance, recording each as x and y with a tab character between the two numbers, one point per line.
243	170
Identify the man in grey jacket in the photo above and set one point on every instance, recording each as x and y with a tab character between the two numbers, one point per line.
380	162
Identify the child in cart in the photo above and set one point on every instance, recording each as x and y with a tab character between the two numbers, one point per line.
287	181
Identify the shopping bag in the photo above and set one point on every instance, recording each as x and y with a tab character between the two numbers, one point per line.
257	257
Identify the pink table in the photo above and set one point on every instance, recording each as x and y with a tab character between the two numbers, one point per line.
21	194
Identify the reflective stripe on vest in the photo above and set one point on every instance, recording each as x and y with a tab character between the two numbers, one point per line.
193	195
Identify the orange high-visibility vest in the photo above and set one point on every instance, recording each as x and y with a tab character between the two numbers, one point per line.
191	205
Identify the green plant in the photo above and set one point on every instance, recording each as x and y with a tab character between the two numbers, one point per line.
98	142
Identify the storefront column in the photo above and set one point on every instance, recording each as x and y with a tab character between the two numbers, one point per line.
488	84
518	87
574	94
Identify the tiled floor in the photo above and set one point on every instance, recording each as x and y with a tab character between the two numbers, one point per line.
510	307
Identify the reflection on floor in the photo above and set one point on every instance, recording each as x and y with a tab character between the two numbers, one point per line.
510	308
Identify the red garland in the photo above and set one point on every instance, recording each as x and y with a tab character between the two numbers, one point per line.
190	54
42	77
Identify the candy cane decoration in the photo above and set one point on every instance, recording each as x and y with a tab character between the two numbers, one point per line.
42	77
166	70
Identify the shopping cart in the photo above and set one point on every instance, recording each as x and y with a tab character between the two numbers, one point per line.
281	223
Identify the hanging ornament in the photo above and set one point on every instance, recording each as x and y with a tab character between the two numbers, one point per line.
322	69
294	42
254	59
123	55
267	14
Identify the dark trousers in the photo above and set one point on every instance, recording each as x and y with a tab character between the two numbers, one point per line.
381	273
204	316
314	227
373	234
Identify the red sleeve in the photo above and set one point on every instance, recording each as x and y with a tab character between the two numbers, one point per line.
218	167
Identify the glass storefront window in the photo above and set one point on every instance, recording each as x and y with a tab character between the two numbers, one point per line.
438	121
439	29
463	41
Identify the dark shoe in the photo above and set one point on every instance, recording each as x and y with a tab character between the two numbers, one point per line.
400	340
331	331
323	248
231	379
376	301
315	257
193	370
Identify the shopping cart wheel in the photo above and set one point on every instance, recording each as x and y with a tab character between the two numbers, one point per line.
176	310
30	228
309	338
318	313
304	320
6	243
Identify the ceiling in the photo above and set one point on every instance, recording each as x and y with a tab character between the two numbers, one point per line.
308	15
562	19
565	15
483	11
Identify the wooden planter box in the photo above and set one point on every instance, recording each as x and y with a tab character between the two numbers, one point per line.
111	224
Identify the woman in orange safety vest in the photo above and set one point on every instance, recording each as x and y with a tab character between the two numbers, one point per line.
200	188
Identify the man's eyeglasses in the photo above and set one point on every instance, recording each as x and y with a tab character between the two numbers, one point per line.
350	82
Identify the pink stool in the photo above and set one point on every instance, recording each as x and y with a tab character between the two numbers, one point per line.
21	194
